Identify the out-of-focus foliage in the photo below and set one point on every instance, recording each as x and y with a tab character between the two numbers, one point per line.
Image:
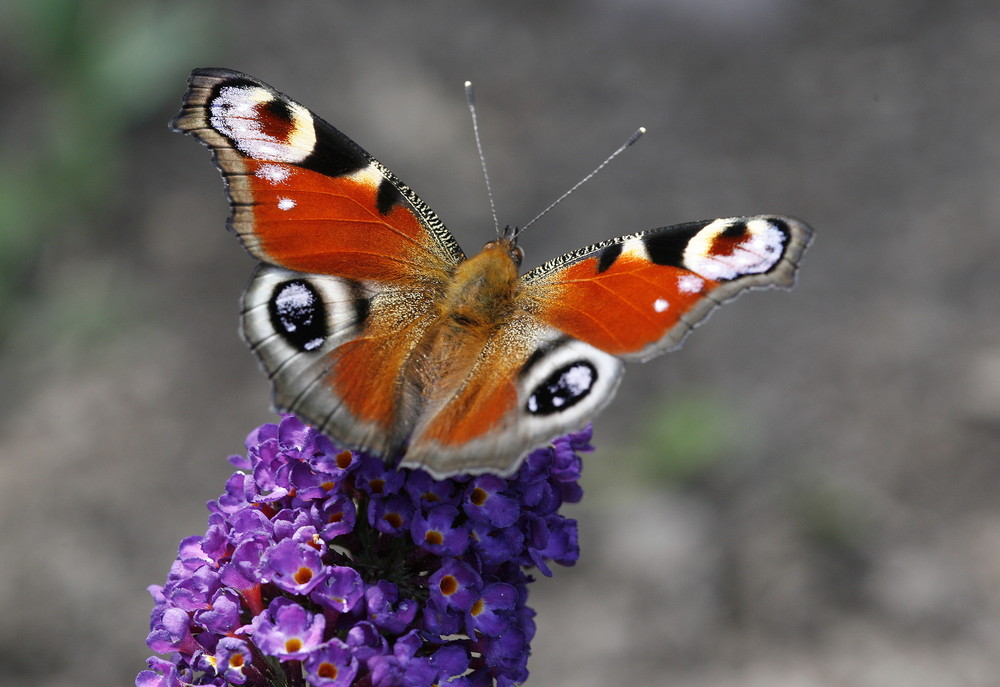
84	74
684	439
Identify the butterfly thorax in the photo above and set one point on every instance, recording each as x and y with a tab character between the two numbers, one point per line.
481	300
483	293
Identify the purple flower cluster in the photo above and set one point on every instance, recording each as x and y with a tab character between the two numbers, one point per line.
325	567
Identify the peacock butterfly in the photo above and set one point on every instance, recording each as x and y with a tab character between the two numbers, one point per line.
376	329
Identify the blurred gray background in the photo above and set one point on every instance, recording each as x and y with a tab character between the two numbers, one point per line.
805	495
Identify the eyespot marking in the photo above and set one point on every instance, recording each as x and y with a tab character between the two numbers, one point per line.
726	249
564	388
262	126
298	314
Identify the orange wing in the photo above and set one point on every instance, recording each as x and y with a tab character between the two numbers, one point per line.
637	296
306	197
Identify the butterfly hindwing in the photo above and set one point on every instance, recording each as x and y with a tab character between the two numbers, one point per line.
530	383
295	323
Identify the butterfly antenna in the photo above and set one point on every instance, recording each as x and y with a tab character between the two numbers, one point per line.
470	98
631	139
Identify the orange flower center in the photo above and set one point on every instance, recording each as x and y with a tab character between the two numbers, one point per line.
478	497
448	585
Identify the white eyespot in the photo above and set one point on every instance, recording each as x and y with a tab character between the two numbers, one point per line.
236	113
285	203
690	283
273	173
570	381
299	310
563	388
294	298
660	305
715	256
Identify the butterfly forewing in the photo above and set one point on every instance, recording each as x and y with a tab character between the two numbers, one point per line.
306	197
640	295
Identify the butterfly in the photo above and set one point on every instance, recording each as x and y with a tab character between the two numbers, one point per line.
375	328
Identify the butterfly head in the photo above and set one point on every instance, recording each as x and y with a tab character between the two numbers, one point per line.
506	244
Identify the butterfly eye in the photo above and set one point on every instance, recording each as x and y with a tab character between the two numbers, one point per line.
516	254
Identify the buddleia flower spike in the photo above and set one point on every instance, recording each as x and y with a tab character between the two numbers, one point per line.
328	568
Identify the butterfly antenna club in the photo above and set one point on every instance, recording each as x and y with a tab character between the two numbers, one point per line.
470	98
636	135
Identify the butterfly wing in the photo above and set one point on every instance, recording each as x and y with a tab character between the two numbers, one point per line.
303	195
638	296
353	258
559	360
530	383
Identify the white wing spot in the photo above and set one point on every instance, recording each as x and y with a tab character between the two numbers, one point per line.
690	283
285	203
635	248
660	305
273	173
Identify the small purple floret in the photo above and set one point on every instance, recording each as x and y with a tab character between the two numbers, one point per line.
386	610
232	656
331	665
287	630
294	567
340	590
440	531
